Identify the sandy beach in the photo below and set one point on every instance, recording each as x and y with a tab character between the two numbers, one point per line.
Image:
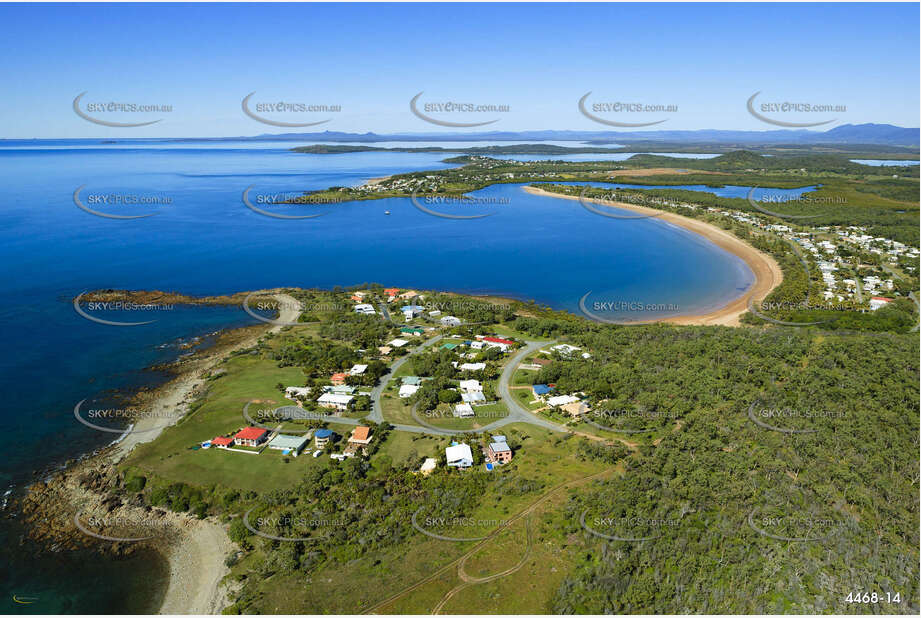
766	270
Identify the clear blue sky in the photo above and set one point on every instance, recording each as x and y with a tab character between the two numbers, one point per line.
372	58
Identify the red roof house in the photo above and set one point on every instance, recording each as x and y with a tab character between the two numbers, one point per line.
338	378
498	340
392	291
250	436
222	441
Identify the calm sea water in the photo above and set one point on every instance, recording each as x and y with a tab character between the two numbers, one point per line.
204	240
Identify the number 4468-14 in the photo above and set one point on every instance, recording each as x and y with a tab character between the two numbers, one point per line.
873	597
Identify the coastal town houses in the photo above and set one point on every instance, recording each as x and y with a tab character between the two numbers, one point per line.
322	437
459	456
498	451
222	442
250	436
339	402
359	440
290	444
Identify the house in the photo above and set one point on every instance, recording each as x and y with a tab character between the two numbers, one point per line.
361	436
496	342
408	390
541	389
414	331
561	400
411	311
564	349
543	362
428	466
294	444
463	410
498	451
292	392
337	401
384	350
321	437
576	408
222	442
338	378
459	456
471	386
450	320
477	345
472	366
365	308
879	301
409	294
449	346
251	436
391	292
412	380
357	370
397	343
340	389
435	313
476	397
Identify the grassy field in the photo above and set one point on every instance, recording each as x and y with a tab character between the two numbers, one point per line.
444	417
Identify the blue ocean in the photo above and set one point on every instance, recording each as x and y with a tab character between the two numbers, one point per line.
203	239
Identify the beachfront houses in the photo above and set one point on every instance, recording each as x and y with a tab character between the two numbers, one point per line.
292	444
250	436
450	320
321	437
463	410
499	451
222	442
365	309
408	390
293	392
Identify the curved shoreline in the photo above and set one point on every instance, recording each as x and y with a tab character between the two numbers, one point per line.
768	274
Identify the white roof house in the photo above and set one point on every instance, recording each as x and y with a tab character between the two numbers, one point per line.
334	400
472	366
294	391
428	466
365	308
473	397
459	456
471	386
450	320
357	370
408	390
879	301
463	410
561	400
397	343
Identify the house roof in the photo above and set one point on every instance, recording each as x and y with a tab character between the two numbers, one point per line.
222	441
335	398
458	452
499	447
338	376
361	433
499	340
292	442
323	433
250	433
541	389
882	298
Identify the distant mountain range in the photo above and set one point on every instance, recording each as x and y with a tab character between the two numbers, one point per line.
880	134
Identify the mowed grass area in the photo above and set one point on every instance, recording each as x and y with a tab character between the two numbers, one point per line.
525	396
396	410
444	417
248	378
402	445
358	585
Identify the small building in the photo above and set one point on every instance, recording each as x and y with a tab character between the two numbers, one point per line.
391	291
879	301
222	442
413	380
472	366
294	444
384	350
338	378
541	389
397	343
449	346
471	386
292	392
365	309
408	390
321	437
411	311
410	330
361	436
576	408
428	466
498	451
450	320
357	370
251	436
459	456
561	400
336	401
476	397
463	410
435	313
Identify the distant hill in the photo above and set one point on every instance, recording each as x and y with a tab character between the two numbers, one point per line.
878	134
